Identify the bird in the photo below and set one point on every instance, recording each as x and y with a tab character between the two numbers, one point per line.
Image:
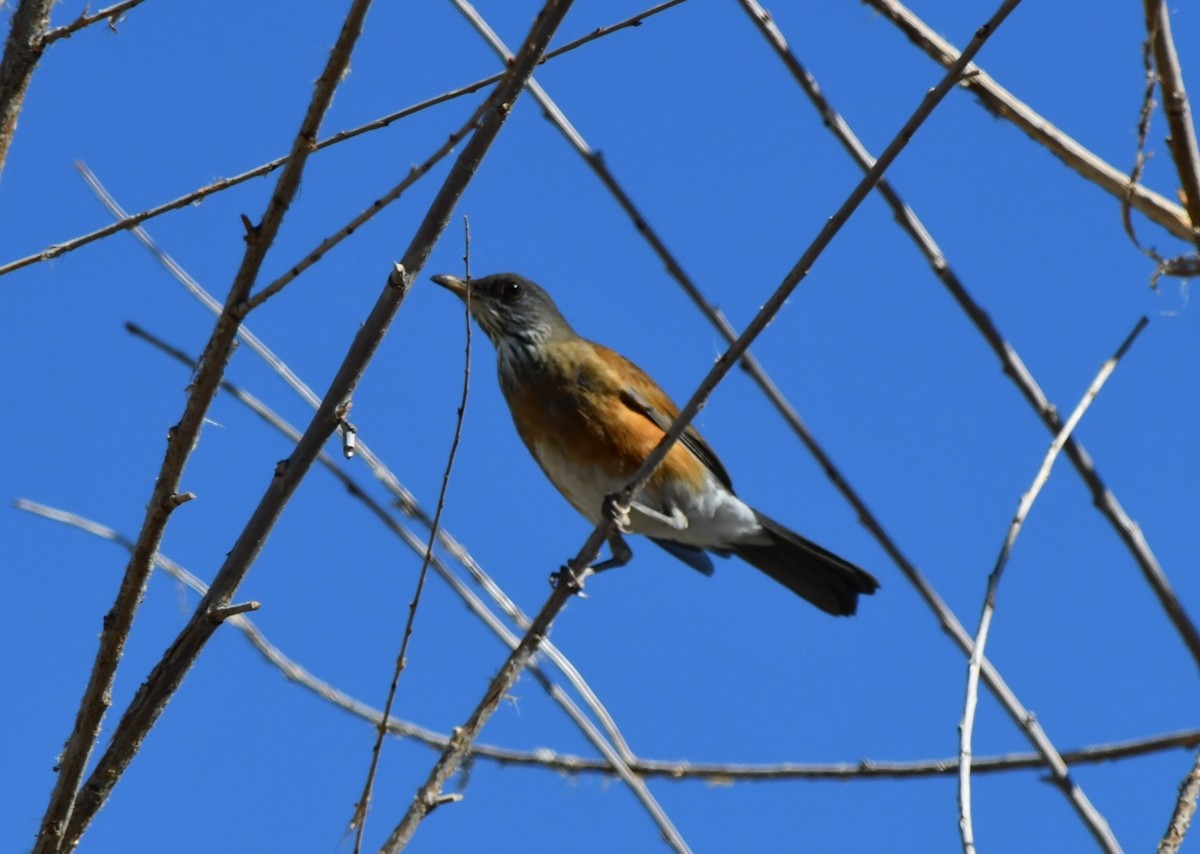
590	417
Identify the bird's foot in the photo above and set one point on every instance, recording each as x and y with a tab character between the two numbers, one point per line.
615	508
568	578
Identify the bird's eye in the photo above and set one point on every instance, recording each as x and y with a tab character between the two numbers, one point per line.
510	290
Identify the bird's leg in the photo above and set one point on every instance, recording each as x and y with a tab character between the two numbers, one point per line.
614	508
617	510
571	578
621	554
676	521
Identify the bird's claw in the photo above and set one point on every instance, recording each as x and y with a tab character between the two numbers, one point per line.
618	511
566	576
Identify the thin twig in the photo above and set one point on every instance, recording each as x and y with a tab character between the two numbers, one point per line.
22	50
1002	103
129	221
154	694
1145	114
1185	808
463	737
1182	140
65	820
864	769
110	13
315	255
359	821
966	827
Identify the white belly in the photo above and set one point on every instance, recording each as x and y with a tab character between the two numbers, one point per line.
716	518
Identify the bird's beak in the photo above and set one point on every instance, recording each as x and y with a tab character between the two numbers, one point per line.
453	284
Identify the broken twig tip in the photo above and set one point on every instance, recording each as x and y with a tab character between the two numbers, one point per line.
220	615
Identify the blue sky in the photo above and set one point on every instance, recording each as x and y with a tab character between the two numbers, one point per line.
727	160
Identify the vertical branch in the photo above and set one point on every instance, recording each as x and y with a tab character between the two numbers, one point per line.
181	441
22	51
1184	150
360	811
1096	822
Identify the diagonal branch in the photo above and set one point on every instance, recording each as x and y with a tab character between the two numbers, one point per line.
54	834
1002	103
154	694
129	221
426	798
111	14
1014	367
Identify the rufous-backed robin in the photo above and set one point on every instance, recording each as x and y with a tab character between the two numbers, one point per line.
590	417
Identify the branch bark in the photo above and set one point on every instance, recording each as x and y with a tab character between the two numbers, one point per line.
1185	808
1003	104
24	47
1182	140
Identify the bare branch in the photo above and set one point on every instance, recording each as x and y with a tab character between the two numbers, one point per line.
359	822
129	221
414	175
1102	497
1185	808
22	51
1182	141
1005	105
111	14
1145	114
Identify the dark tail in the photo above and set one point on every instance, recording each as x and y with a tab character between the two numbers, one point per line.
806	569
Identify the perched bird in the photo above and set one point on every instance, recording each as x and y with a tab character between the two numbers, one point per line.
590	417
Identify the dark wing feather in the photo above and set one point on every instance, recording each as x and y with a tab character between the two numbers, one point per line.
691	438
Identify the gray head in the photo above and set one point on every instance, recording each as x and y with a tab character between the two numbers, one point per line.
510	309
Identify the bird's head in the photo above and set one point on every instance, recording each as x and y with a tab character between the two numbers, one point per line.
510	309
